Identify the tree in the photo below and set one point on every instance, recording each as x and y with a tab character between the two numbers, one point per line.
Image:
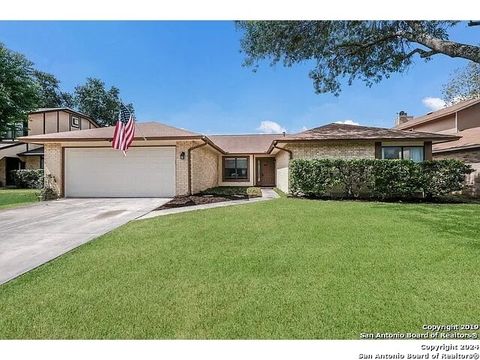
463	84
19	92
95	100
50	94
366	50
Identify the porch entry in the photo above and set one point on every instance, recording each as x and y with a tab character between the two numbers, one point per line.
265	171
11	164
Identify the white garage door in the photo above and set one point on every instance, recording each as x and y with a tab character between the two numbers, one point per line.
104	172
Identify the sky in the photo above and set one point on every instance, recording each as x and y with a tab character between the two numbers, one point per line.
190	75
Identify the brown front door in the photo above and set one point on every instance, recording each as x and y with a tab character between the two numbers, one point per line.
265	171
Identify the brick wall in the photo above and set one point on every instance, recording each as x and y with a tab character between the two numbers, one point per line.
31	162
181	176
333	150
53	167
204	169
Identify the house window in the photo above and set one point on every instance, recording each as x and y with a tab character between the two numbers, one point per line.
391	152
235	168
415	153
75	122
42	164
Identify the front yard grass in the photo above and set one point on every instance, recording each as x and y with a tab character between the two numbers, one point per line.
286	268
13	197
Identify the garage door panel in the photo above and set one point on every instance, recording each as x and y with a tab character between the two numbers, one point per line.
104	172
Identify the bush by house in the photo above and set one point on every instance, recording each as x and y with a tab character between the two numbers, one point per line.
376	179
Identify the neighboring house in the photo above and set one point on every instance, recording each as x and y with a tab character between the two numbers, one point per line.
165	161
15	154
461	119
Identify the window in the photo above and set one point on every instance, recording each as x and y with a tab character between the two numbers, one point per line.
75	122
415	153
42	164
235	168
391	152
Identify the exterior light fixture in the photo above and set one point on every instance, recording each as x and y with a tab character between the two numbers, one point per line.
182	155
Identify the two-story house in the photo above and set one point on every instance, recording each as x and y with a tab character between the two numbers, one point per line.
461	119
16	155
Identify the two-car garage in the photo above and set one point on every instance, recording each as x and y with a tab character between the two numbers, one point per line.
104	172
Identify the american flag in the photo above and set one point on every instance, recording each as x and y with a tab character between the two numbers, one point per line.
124	130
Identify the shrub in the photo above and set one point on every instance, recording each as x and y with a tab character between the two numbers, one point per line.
444	176
28	179
48	193
376	179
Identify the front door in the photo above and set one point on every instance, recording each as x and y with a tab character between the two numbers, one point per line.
266	171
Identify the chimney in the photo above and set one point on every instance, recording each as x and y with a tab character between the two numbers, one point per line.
402	118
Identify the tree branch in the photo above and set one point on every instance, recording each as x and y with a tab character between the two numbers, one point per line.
423	53
365	45
447	47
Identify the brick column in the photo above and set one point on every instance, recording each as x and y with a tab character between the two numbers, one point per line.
53	166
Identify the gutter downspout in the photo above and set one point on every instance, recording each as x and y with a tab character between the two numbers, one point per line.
189	151
280	148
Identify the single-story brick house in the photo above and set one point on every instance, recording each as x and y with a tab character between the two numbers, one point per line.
165	161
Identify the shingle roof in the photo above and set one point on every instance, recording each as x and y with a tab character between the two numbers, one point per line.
254	143
356	132
470	138
149	130
243	144
35	152
439	113
8	144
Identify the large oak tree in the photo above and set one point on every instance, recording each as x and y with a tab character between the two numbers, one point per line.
365	50
464	84
19	91
51	96
95	100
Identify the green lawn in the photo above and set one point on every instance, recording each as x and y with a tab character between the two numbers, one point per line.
14	197
276	269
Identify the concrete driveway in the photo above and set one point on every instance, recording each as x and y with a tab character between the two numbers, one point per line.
33	235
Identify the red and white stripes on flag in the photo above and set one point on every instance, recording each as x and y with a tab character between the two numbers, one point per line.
124	130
